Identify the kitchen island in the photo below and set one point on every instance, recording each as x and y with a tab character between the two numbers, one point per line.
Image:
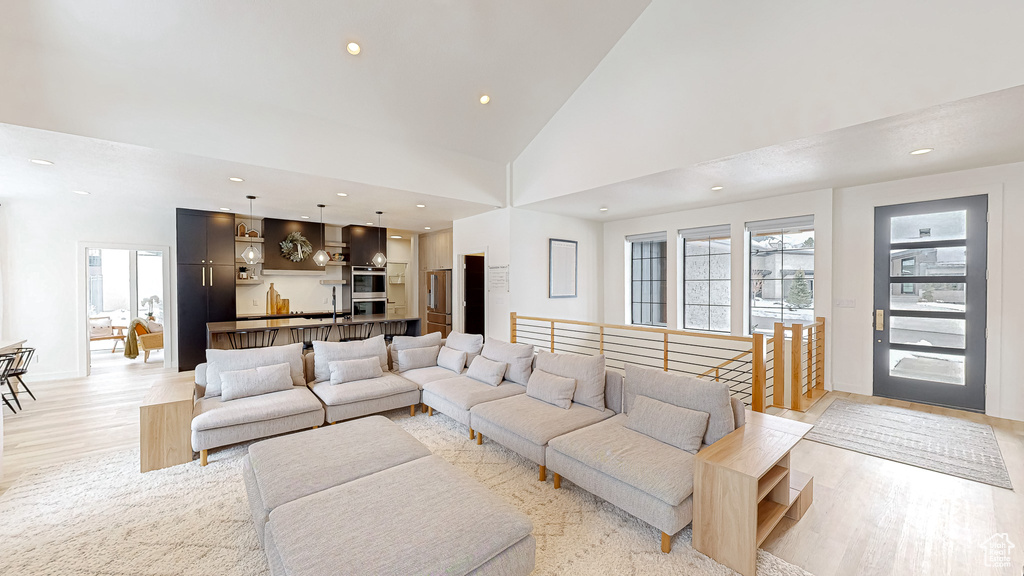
216	332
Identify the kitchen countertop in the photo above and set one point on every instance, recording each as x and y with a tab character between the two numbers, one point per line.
291	322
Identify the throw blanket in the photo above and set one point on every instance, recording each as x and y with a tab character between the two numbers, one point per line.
131	345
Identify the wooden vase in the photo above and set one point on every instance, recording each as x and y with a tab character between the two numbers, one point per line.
272	299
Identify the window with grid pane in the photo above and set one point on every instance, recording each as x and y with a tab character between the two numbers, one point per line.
781	272
706	257
648	280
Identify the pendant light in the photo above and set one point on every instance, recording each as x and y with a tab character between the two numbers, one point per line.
321	257
251	255
379	259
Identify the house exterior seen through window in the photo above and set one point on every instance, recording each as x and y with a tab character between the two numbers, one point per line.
781	273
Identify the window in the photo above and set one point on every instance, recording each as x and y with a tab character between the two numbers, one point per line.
908	267
648	254
706	277
781	272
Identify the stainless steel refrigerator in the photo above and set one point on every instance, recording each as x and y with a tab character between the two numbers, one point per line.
439	302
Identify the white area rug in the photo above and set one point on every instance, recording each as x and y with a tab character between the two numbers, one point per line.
941	443
99	515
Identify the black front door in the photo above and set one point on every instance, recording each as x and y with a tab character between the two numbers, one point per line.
930	302
476	293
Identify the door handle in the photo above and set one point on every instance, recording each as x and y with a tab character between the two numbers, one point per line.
879	320
204	275
211	275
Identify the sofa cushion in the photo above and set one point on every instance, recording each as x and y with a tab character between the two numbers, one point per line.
488	371
409	342
554	390
220	361
387	385
326	352
519	358
534	420
673	425
412	358
210	413
255	381
471	344
452	359
421	376
463	392
678	390
588	371
343	371
663	471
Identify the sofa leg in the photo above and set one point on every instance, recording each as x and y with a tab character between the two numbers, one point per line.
666	543
479	438
412	410
423	408
558	481
472	434
333	423
202	458
543	473
430	411
315	427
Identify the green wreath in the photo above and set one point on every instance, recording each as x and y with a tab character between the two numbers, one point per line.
295	247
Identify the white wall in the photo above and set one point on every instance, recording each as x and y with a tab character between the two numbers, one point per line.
488	233
854	222
44	279
696	81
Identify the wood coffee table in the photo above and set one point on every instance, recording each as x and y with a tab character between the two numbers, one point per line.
743	486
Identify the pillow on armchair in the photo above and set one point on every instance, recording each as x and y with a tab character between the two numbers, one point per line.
154	327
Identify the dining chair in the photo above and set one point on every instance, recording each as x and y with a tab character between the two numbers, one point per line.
309	335
22	360
350	332
253	338
392	329
6	362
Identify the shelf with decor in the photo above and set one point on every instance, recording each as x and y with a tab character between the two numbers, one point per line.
335	244
240	260
247	239
248	281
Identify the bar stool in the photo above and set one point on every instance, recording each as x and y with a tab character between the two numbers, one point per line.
392	329
22	359
350	332
308	335
253	338
6	363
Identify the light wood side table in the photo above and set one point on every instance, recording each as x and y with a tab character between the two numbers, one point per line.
165	419
743	486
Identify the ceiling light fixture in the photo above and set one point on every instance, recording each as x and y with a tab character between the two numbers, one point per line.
353	48
485	99
342	194
603	209
321	257
421	205
920	151
40	161
225	209
426	227
379	259
397	237
251	255
236	179
369	223
716	188
304	217
82	192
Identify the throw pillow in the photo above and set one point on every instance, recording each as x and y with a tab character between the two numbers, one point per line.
547	387
154	327
674	425
487	371
352	370
220	361
471	344
519	358
686	392
409	342
255	381
588	371
413	358
451	359
326	352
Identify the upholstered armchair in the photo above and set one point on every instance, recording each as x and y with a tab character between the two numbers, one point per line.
150	337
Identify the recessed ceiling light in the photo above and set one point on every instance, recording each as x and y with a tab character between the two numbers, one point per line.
353	48
603	209
716	188
226	209
82	192
922	151
426	227
304	217
485	99
342	194
41	162
421	205
397	237
369	223
236	179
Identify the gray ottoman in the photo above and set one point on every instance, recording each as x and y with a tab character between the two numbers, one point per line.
421	517
283	469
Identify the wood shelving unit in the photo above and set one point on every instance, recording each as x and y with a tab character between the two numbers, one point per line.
248	282
247	239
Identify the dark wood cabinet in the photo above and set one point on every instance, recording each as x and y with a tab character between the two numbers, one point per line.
206	279
364	242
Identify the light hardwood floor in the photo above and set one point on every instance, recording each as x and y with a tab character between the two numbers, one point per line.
870	516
